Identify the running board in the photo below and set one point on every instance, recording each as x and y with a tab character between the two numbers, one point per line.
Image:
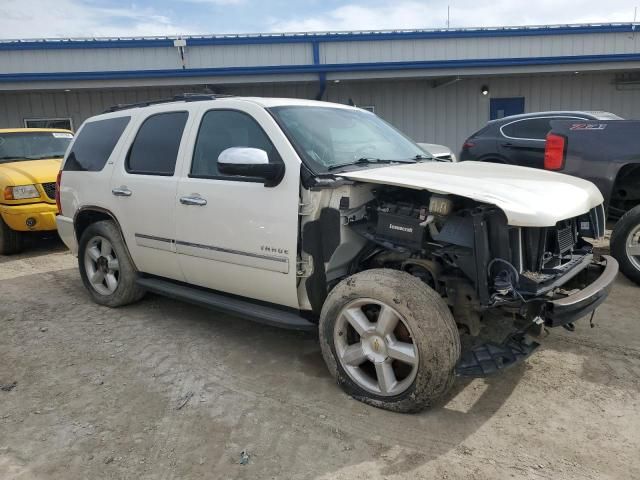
488	358
216	301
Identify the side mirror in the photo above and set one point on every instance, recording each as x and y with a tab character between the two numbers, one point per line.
252	163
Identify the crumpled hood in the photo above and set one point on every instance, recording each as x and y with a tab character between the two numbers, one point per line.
29	172
529	197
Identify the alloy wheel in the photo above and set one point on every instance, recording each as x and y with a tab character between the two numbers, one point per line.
101	265
375	347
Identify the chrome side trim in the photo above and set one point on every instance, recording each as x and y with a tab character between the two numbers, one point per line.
237	257
211	252
157	243
564	117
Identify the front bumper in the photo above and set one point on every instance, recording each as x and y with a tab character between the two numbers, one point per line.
42	216
598	278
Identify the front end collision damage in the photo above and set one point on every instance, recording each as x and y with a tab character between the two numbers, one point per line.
465	250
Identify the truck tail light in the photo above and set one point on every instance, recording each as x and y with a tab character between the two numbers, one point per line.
555	151
58	181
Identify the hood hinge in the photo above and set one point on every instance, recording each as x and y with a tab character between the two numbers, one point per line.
304	267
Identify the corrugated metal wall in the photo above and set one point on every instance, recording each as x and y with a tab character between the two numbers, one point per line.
446	114
485	47
332	52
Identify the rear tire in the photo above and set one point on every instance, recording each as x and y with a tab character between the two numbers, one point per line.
106	268
625	240
10	241
405	367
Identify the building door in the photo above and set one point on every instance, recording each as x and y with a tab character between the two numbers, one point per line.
504	107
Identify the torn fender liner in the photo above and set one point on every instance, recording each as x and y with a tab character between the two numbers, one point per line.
320	239
491	357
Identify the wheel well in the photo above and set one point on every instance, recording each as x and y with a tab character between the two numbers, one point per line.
626	190
88	216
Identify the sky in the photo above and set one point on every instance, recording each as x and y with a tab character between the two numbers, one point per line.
120	18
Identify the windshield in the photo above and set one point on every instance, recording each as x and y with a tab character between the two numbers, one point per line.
19	146
330	138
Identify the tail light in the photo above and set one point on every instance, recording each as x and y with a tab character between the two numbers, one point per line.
58	181
554	152
468	144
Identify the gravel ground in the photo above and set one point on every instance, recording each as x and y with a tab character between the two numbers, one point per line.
163	389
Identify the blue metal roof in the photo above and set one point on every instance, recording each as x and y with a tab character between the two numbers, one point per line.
271	38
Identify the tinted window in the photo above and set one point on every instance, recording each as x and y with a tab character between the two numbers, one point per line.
155	149
535	128
222	129
94	144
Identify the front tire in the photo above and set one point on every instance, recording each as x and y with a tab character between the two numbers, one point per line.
625	244
389	340
106	268
10	241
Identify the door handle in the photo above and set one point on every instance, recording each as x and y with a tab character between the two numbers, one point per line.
508	144
193	200
121	192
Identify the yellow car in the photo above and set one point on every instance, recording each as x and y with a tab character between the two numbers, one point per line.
29	164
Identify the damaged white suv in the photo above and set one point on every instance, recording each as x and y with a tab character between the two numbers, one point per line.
312	215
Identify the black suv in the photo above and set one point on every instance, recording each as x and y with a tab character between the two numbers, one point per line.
520	139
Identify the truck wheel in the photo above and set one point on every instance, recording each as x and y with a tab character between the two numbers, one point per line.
106	268
10	241
389	340
625	244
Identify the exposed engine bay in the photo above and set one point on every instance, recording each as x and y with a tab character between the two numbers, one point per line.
465	250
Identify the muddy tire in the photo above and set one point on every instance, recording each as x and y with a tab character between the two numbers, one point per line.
625	242
106	267
389	340
10	241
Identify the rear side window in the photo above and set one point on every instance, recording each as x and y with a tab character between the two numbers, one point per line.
222	129
94	144
533	129
155	148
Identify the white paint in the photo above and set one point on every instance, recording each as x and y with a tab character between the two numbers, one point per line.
528	197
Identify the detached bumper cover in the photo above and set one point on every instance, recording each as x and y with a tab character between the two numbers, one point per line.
600	277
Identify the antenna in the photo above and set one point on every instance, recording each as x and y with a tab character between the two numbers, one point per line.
449	16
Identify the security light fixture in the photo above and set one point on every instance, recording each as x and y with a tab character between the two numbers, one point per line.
484	90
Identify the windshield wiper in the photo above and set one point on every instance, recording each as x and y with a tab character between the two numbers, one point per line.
368	161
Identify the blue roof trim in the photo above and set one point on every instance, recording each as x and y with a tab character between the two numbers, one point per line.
317	68
317	37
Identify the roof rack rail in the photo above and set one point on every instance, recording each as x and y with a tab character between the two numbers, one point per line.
185	97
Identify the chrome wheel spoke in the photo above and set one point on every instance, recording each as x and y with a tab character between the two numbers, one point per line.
354	355
105	248
387	321
402	351
112	282
358	320
386	376
97	277
113	265
634	249
94	253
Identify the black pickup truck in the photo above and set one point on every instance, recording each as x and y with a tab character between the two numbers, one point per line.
607	153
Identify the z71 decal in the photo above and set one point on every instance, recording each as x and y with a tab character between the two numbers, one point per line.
588	126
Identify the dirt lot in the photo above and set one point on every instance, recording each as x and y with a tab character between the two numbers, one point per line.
167	390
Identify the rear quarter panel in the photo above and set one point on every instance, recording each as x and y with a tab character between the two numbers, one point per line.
597	149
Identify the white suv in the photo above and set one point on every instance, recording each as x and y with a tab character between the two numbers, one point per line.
318	216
